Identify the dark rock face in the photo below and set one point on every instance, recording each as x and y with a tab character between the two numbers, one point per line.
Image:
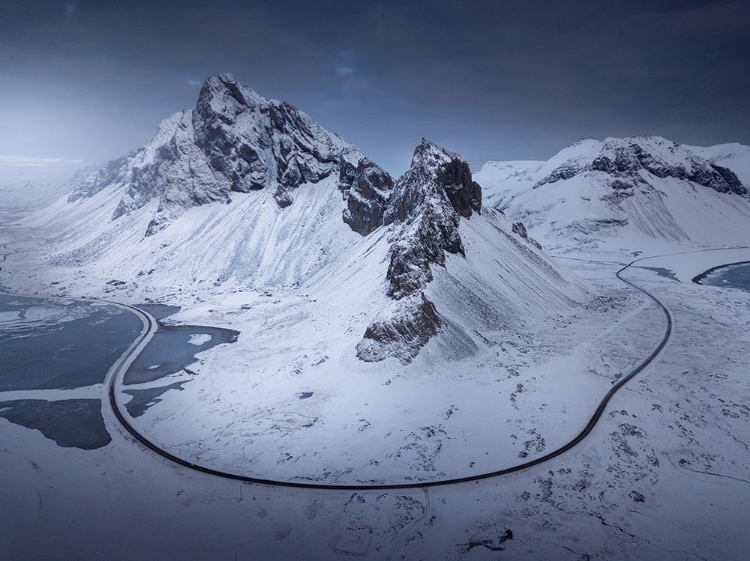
427	204
236	141
520	229
566	171
628	158
367	189
402	335
731	179
423	204
464	194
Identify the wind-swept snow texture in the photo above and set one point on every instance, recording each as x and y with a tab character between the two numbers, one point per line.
642	188
242	194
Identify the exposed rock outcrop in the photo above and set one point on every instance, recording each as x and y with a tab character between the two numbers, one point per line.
367	189
236	141
520	229
426	207
628	158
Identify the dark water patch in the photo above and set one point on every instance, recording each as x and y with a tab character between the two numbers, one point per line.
71	423
666	273
143	399
734	275
159	311
170	351
60	344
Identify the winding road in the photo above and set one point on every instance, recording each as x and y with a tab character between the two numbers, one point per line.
150	325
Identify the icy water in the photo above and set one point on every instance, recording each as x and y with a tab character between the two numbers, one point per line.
50	344
60	343
71	423
735	276
172	350
66	344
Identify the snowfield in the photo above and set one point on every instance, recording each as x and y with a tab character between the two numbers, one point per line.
671	444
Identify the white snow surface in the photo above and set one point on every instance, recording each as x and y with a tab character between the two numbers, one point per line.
565	204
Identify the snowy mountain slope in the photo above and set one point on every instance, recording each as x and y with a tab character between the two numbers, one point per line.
241	194
620	190
495	176
249	242
234	141
735	157
233	165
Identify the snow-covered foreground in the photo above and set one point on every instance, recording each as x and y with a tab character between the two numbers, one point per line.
288	402
663	475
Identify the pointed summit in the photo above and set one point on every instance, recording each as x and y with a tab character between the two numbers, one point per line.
426	209
235	141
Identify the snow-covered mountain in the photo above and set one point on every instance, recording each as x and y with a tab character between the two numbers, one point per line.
640	188
236	141
244	194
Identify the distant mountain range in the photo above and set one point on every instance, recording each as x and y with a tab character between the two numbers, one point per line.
240	193
627	192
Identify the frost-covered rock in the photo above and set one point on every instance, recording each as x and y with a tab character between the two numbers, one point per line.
620	190
520	229
400	330
367	188
236	141
628	158
426	207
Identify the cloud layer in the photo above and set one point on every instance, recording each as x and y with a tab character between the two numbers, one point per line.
501	80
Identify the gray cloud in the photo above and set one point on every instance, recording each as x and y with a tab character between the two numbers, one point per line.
501	80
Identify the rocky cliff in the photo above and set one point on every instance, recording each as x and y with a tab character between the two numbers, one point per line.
427	205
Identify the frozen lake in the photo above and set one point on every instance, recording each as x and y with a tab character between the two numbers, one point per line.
56	352
60	344
734	276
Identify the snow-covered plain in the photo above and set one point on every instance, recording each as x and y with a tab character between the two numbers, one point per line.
664	475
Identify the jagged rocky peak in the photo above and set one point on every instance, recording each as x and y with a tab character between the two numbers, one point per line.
236	141
367	189
426	207
626	159
427	203
256	144
435	172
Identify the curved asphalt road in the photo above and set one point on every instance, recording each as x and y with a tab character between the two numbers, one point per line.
121	366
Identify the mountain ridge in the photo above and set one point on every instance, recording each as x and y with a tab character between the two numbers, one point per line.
241	194
626	191
234	141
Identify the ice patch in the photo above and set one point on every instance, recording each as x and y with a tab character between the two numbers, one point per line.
199	339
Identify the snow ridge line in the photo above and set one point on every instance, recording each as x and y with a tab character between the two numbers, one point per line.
125	361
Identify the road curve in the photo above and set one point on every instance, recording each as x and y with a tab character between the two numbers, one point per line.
149	325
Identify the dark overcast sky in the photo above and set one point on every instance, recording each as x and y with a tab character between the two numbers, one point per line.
491	80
